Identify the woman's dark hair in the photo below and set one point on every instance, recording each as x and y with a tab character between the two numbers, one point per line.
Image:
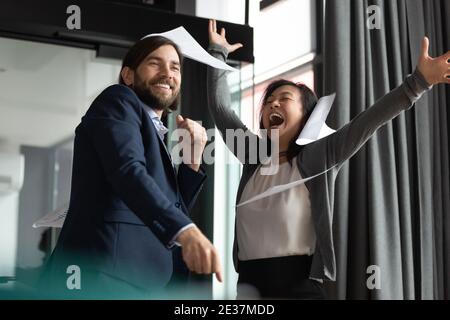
141	49
308	100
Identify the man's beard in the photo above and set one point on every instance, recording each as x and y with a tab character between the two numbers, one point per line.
155	100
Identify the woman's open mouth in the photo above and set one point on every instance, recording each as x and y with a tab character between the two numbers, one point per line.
275	120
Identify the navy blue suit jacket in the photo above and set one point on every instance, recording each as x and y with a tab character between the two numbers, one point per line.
127	200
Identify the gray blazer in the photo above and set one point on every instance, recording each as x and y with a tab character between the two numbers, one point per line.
316	157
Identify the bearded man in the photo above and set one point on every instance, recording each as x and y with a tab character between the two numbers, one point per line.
127	233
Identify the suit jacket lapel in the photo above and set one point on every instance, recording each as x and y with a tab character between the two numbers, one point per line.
164	153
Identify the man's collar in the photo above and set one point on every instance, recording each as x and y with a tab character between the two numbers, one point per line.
152	112
159	125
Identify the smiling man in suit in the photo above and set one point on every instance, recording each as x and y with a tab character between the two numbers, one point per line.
127	227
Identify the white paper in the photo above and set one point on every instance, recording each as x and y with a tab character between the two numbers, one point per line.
53	219
280	188
191	48
316	128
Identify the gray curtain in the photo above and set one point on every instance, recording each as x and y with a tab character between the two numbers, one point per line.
392	205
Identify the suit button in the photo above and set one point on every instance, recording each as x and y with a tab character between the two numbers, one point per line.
177	204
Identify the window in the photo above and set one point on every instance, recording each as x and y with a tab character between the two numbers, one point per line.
285	47
46	89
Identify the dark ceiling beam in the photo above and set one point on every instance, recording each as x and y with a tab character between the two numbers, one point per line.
107	24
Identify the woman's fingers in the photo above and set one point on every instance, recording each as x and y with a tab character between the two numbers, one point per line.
447	56
213	28
425	47
220	39
236	46
210	27
435	70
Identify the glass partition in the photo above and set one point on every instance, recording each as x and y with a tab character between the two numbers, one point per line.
44	91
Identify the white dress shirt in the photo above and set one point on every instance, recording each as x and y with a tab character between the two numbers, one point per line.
279	225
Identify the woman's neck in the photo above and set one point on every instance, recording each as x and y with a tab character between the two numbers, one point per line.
282	157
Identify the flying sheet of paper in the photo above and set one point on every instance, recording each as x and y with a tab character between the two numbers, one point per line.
53	219
280	188
191	48
316	128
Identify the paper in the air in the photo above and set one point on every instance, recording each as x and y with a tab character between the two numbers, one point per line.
280	188
191	48
53	219
316	128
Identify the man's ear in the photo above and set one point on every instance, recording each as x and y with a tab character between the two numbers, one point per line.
127	75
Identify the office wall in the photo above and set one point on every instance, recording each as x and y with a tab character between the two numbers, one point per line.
9	203
229	11
35	202
8	230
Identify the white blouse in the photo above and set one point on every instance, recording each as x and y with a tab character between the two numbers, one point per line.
279	225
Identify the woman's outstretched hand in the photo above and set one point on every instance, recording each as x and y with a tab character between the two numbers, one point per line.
220	39
434	70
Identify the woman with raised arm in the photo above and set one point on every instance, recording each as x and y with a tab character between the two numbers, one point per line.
283	244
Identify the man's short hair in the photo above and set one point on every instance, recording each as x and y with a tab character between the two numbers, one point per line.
141	49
